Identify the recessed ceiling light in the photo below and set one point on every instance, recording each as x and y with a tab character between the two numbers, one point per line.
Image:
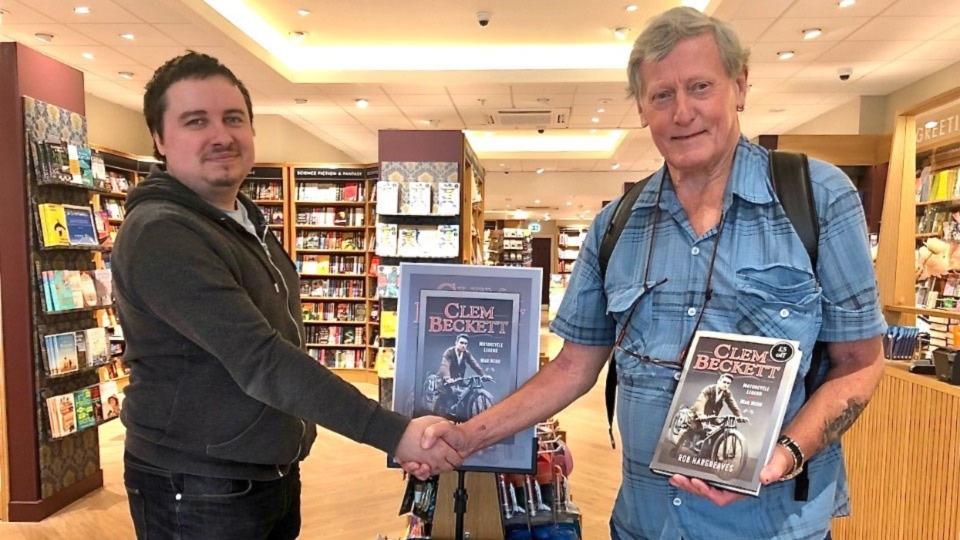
777	111
88	56
784	55
297	36
630	9
615	166
536	201
811	33
540	170
846	3
601	110
128	35
931	124
593	131
621	32
81	10
299	100
595	120
125	75
44	37
303	12
361	103
569	203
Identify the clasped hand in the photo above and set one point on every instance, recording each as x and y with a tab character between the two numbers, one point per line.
430	446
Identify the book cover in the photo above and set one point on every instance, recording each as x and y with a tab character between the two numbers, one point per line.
419	195
110	399
85	158
53	225
98	349
73	287
66	414
728	408
73	163
83	406
388	281
50	348
95	401
467	337
67	359
103	281
448	240
407	243
387	239
88	288
448	198
80	227
53	415
388	197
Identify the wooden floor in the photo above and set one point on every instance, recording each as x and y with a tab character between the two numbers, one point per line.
348	493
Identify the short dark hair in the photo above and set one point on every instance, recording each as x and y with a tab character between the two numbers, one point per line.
192	65
463	336
726	376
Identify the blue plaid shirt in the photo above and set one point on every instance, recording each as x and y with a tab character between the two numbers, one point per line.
763	285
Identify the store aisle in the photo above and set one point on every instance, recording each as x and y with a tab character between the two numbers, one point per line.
349	494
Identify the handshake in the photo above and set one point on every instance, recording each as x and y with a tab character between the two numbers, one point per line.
432	445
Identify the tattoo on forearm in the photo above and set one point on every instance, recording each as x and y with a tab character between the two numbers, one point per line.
839	425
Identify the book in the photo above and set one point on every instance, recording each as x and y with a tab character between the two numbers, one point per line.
53	225
85	158
83	408
387	239
80	227
62	354
110	399
448	198
103	281
97	348
418	198
73	163
388	197
728	409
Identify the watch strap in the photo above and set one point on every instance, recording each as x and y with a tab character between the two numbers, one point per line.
798	459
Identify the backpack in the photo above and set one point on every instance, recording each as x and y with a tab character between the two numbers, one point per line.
790	176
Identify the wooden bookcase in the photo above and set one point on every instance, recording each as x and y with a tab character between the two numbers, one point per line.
569	240
331	241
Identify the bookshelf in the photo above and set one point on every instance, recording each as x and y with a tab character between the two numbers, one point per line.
510	247
266	185
569	240
330	241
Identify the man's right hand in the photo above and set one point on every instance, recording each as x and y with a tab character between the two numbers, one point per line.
422	461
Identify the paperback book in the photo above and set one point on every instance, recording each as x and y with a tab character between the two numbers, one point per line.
728	409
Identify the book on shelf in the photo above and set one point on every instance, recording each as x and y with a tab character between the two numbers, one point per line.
83	408
388	197
103	281
111	399
448	198
73	163
386	239
85	159
388	281
419	198
80	227
728	408
448	240
63	417
97	349
62	353
388	324
53	225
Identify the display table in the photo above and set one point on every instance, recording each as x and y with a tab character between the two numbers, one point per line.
903	461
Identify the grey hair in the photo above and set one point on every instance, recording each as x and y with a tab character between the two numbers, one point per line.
664	31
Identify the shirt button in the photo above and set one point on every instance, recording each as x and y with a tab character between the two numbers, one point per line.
784	313
676	376
693	311
677	501
695	251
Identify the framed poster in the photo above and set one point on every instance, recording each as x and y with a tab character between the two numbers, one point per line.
467	337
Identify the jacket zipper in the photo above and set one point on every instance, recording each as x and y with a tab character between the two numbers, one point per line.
266	249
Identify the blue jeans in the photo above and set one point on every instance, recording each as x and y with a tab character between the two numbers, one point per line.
615	536
167	505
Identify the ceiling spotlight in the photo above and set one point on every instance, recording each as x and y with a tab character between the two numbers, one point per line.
784	55
297	36
846	3
601	110
81	10
595	120
621	32
536	201
630	9
44	37
540	170
569	203
88	56
303	12
778	111
361	103
615	166
299	100
128	36
125	75
931	124
810	33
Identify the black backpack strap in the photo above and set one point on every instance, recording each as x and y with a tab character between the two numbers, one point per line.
790	175
621	214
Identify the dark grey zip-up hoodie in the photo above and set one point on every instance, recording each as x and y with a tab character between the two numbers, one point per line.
219	383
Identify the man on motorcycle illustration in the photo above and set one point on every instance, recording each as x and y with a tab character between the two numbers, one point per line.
453	369
707	407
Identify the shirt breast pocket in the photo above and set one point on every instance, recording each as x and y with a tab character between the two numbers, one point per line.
779	301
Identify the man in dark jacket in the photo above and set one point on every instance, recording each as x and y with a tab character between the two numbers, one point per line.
222	399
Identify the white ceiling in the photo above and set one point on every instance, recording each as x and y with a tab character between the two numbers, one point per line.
888	43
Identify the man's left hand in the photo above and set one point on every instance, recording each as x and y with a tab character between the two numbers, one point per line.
719	497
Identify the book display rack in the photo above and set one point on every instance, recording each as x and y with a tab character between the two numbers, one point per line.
569	240
509	247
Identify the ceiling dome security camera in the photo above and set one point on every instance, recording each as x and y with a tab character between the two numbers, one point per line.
844	73
483	18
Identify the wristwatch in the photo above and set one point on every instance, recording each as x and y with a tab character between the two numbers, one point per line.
798	460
